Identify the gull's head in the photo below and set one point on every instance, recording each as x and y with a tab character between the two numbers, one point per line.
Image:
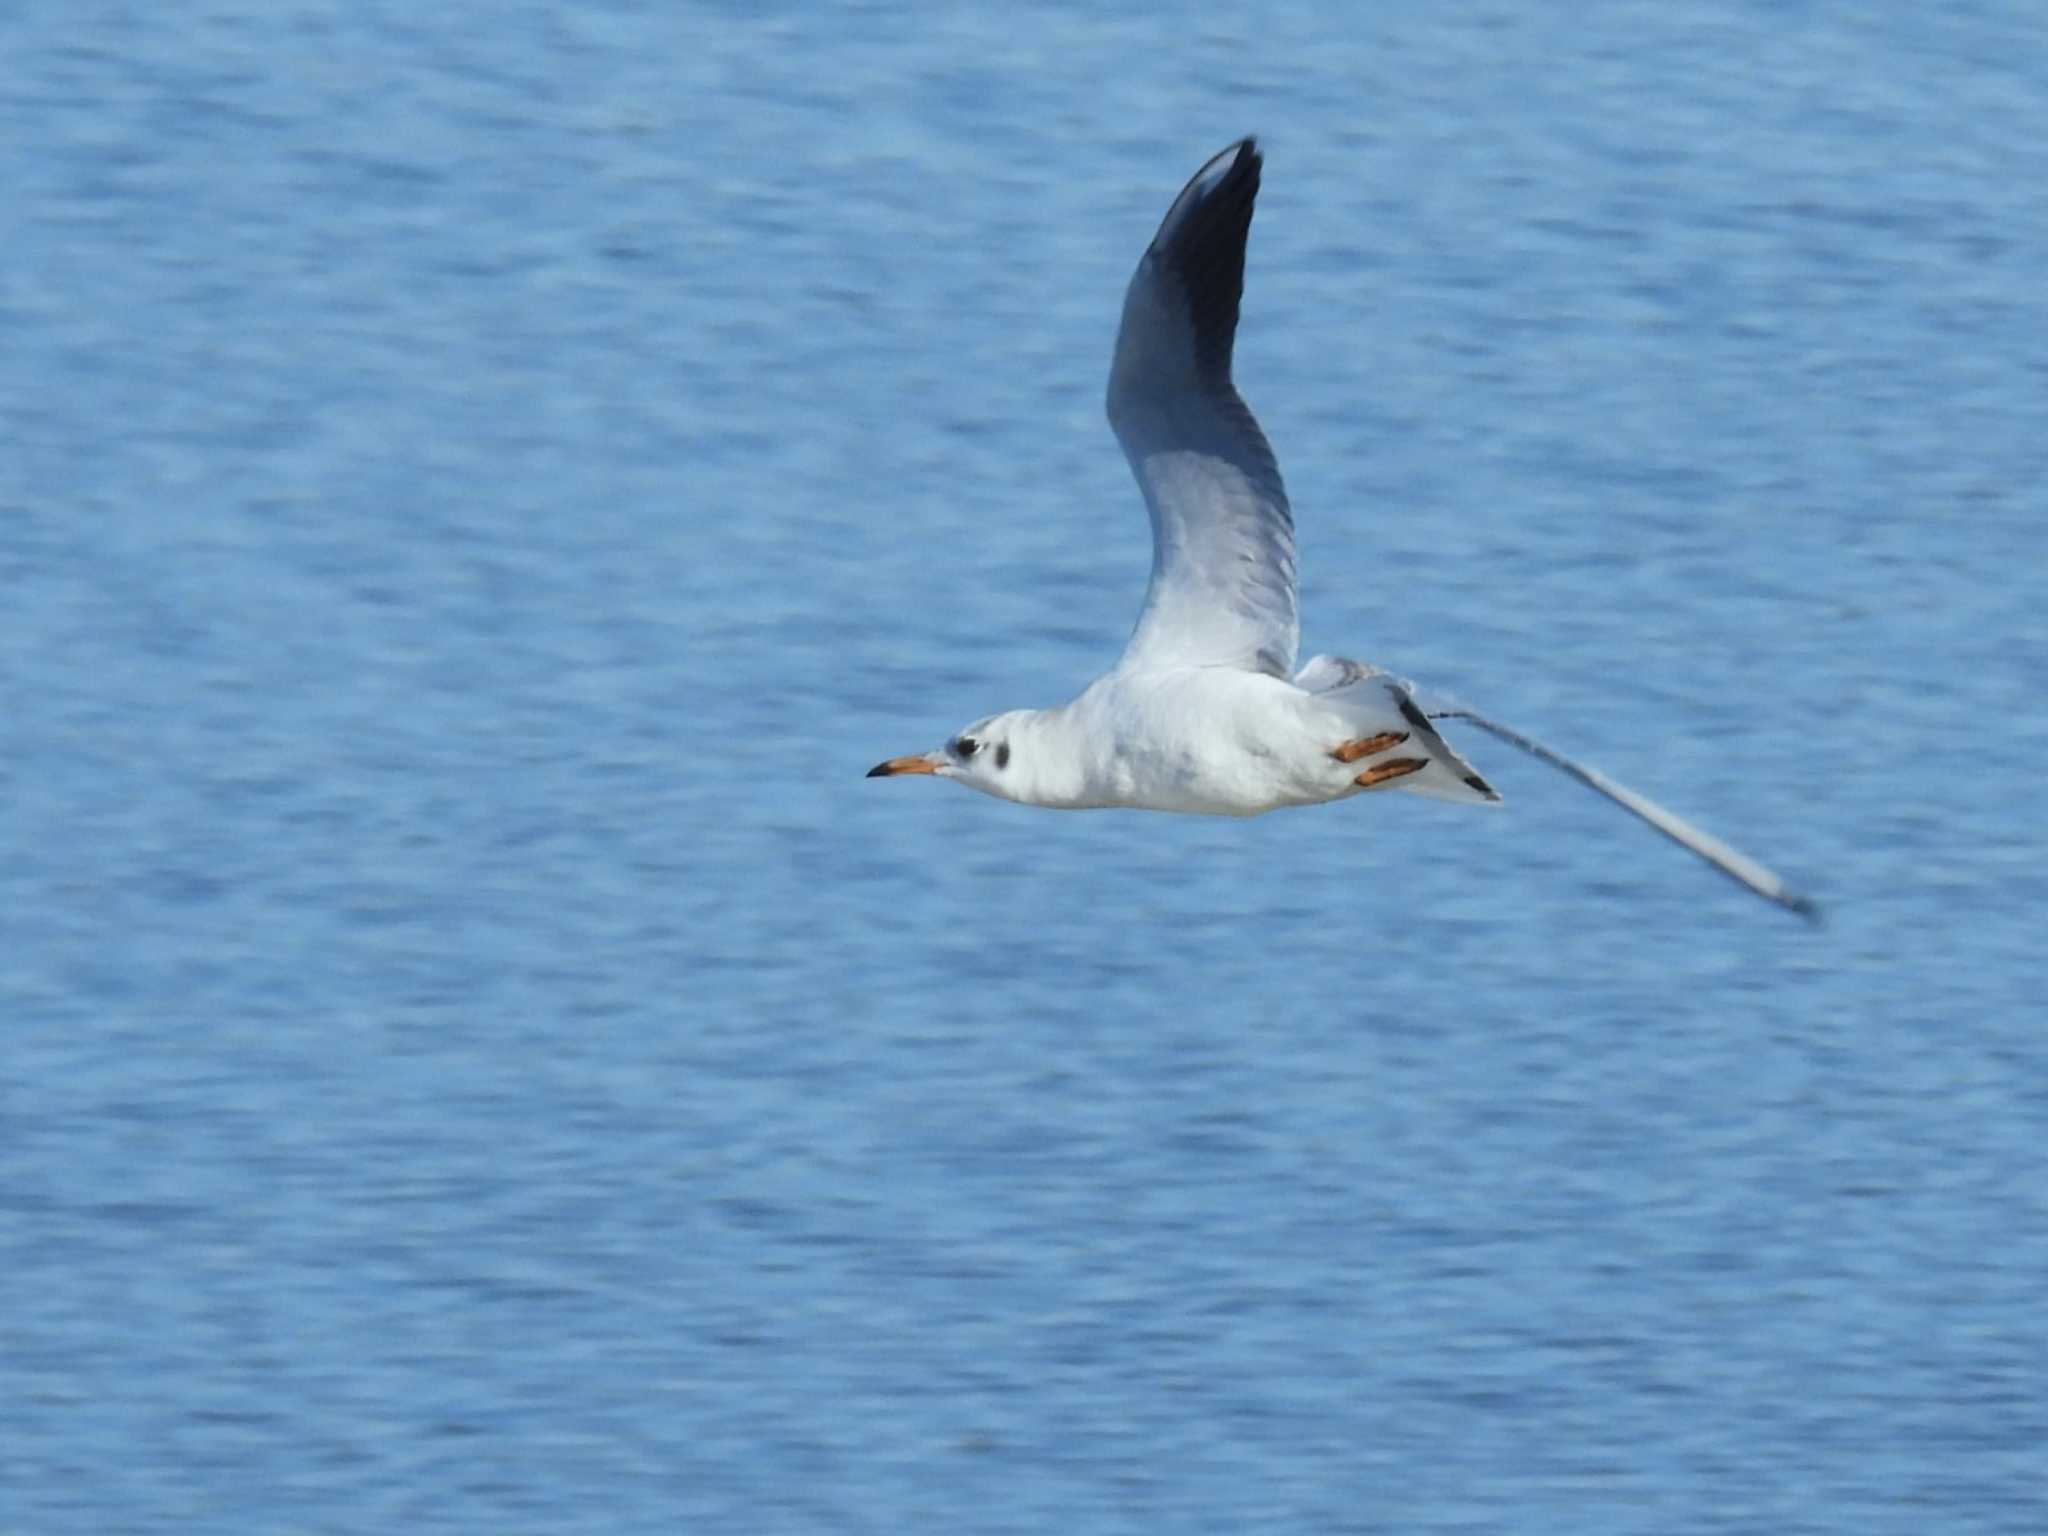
983	757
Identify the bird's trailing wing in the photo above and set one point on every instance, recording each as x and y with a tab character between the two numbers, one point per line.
1732	862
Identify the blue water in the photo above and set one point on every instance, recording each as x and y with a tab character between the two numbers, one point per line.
480	484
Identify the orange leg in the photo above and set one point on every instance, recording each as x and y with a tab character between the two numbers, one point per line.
1352	751
1393	768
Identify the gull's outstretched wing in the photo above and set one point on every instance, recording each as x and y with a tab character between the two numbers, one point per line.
1732	862
1222	591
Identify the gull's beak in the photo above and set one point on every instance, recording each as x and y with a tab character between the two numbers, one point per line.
924	762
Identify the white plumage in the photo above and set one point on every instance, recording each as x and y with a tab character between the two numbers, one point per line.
1204	712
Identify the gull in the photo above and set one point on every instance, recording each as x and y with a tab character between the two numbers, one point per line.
1205	712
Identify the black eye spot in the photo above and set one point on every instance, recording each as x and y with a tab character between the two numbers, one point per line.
1002	754
967	746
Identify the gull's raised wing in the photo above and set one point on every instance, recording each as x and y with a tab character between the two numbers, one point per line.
1222	590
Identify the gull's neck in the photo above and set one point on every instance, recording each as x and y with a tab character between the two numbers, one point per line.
1052	759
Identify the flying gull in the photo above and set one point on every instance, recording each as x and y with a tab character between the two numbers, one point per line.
1205	712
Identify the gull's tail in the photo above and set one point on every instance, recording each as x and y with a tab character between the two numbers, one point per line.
1377	699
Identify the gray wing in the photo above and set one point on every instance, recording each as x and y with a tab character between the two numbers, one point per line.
1222	590
1732	862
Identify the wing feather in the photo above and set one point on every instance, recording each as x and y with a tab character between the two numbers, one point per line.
1730	860
1223	584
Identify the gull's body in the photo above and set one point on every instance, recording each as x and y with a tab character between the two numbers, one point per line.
1207	740
1205	712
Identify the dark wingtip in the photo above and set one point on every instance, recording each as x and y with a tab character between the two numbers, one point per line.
1203	241
1805	906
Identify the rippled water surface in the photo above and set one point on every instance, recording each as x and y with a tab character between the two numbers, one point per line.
479	485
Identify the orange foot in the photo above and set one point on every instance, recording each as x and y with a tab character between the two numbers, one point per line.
1393	768
1352	751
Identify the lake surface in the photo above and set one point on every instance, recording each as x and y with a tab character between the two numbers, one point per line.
479	486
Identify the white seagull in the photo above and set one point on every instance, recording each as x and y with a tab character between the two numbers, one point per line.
1204	711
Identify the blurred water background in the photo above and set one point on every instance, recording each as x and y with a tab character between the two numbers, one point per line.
479	485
